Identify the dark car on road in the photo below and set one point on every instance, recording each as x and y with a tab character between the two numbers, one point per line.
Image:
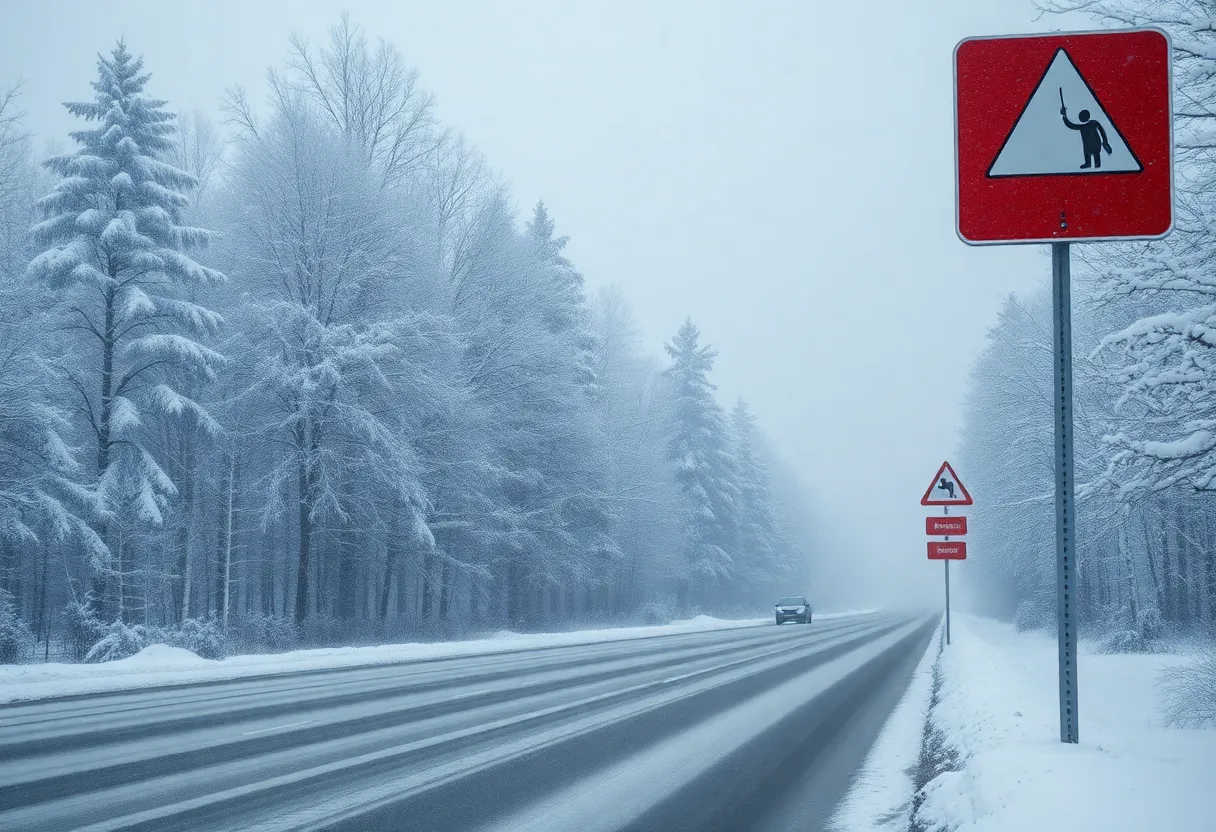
794	608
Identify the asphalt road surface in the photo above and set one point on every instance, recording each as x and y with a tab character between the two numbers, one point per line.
756	728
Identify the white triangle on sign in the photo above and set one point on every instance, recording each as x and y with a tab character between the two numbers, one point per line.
1042	143
946	489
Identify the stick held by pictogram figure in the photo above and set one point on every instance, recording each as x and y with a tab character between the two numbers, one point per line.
1093	135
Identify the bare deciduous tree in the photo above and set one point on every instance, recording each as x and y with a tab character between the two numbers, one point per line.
371	95
14	167
199	150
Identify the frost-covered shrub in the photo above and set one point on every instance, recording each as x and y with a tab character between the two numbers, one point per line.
264	634
1150	624
82	628
120	641
659	611
1122	641
324	630
1029	615
1119	638
1190	691
202	638
16	640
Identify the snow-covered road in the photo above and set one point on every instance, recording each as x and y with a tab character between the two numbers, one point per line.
759	726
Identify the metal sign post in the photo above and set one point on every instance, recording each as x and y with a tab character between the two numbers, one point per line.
946	511
1066	624
947	602
1064	138
945	490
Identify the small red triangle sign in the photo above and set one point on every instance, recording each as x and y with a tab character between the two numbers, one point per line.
946	489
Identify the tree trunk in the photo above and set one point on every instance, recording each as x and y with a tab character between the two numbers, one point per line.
514	591
1094	576
390	564
225	571
1210	563
403	598
1125	555
1182	601
121	571
304	486
445	591
104	419
44	624
476	592
1211	584
1167	572
1150	562
386	588
8	568
429	580
267	588
348	575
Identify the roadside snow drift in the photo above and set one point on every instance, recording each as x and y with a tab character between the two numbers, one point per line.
159	664
880	798
999	709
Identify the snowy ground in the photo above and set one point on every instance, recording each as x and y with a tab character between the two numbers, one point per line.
999	709
163	665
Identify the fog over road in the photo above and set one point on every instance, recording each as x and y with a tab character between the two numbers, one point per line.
752	728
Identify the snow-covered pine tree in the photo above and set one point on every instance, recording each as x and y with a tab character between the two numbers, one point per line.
759	536
41	501
116	254
564	312
572	461
699	447
528	363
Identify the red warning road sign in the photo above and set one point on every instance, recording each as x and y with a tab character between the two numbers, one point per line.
946	489
1064	137
946	526
948	550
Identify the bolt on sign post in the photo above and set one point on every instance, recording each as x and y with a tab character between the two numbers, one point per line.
945	490
1059	139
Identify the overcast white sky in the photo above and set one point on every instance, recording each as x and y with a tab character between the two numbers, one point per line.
780	170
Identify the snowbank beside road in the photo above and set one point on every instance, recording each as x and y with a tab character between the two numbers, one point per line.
998	709
159	664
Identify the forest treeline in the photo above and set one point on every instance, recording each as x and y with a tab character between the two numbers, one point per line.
1144	319
303	377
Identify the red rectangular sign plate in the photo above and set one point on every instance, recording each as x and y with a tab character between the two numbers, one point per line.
946	526
1064	137
951	550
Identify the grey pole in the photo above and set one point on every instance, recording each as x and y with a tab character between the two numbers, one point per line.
946	563
947	600
1066	556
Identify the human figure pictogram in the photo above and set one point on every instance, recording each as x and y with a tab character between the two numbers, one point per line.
1093	136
